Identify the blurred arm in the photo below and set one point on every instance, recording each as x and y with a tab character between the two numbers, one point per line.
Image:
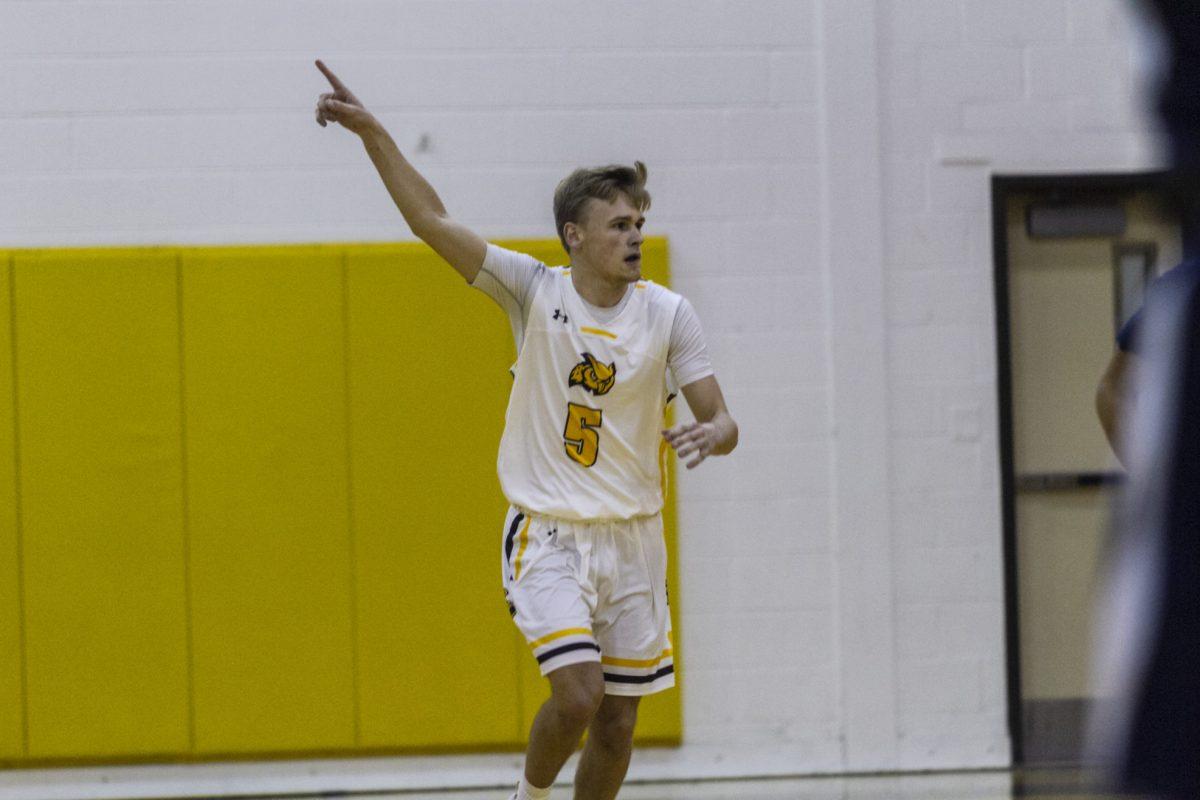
1114	397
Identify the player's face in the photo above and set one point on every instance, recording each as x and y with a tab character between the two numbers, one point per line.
611	239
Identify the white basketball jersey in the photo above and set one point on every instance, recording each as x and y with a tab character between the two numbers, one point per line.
584	422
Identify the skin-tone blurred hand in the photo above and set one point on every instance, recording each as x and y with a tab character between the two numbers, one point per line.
341	106
1115	398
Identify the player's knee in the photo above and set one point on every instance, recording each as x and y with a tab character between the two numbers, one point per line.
577	691
579	700
614	727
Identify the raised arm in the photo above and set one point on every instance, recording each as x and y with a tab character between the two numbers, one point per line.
422	209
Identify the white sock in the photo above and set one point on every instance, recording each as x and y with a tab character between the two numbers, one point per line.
527	791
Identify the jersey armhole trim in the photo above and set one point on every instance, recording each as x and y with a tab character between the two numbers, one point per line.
499	283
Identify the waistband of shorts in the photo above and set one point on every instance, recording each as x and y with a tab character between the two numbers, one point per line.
595	521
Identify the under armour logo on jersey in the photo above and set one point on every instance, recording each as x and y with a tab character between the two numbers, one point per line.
558	314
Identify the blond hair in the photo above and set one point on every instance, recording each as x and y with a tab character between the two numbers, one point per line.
601	183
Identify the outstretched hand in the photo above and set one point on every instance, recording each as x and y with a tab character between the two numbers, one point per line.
693	437
341	106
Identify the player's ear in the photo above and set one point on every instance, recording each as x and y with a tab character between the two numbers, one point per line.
573	235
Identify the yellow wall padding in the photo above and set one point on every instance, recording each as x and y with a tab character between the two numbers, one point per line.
248	507
97	355
268	506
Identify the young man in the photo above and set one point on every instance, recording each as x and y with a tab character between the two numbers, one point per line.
583	559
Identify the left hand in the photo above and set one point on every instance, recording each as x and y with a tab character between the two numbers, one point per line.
692	437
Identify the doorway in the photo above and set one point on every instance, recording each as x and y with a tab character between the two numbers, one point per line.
1073	257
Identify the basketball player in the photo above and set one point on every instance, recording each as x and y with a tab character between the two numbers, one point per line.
583	558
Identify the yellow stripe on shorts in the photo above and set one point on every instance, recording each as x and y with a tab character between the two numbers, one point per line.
536	643
521	551
633	662
663	455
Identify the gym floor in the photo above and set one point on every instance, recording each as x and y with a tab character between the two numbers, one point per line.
1044	784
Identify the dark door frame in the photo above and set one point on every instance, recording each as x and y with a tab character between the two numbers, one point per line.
1055	186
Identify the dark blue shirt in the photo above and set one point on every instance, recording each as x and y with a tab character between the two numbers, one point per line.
1177	279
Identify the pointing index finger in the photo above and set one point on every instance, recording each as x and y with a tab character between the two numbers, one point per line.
333	79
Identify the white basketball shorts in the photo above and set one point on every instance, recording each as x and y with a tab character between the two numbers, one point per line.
592	591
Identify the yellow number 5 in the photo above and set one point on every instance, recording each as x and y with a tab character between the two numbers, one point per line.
580	437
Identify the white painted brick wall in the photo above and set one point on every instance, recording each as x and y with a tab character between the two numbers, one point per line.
920	22
191	122
1078	70
1014	22
1021	86
973	72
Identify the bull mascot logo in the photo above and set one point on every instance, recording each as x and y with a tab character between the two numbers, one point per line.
593	375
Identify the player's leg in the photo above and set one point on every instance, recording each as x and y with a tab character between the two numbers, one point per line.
551	605
576	692
605	758
632	625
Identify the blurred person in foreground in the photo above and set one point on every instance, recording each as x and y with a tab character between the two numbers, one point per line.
1146	730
